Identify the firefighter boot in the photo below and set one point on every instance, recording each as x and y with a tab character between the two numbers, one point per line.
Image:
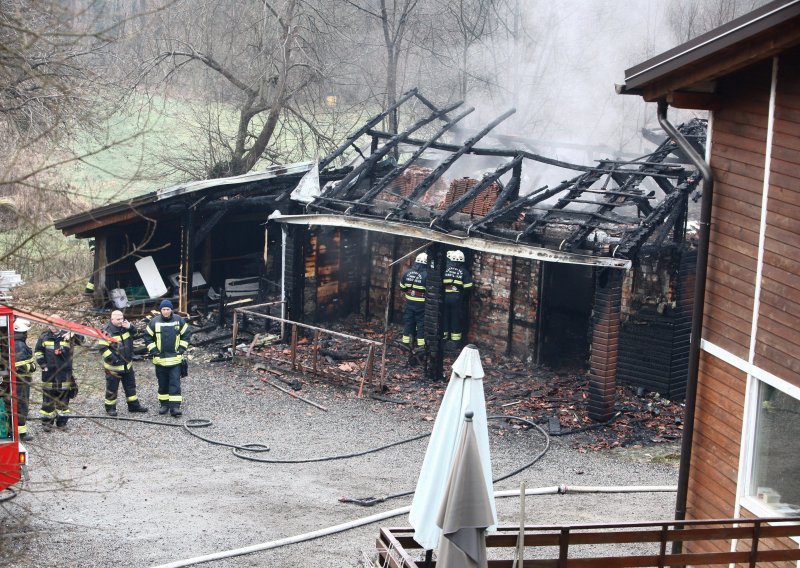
111	410
175	411
136	406
163	409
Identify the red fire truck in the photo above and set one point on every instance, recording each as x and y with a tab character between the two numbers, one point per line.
13	455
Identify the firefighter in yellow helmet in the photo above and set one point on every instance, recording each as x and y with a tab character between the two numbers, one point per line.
169	339
457	282
25	365
413	285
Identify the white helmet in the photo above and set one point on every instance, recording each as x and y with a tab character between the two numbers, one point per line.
422	258
21	325
455	255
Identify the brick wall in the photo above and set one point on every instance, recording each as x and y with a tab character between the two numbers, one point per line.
491	302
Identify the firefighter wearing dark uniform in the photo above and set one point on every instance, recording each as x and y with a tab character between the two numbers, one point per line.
169	340
413	286
25	365
457	281
53	353
118	363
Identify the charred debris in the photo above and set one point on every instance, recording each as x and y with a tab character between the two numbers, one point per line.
593	272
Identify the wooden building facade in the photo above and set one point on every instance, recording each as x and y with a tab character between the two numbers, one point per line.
743	451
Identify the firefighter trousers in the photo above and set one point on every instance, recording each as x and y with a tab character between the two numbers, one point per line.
453	316
169	386
414	322
128	380
55	402
23	401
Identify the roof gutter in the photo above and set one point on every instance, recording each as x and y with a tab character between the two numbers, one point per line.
707	187
519	250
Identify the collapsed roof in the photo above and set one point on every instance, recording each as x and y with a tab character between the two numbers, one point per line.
602	215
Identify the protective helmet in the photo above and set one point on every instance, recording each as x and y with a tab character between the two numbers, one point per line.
21	325
455	255
422	258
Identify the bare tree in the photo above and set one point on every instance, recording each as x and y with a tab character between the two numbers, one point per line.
691	18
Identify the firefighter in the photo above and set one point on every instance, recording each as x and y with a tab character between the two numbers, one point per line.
169	340
53	353
25	365
413	286
457	282
118	363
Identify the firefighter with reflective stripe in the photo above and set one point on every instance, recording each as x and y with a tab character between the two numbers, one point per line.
169	340
413	285
118	363
457	282
53	353
25	365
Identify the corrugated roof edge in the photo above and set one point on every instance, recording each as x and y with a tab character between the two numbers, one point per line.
181	189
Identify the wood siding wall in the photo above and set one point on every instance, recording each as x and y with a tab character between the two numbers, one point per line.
738	158
738	149
778	335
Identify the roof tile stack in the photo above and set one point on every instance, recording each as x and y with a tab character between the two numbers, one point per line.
480	205
408	180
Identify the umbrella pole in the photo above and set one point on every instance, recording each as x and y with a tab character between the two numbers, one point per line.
428	558
521	536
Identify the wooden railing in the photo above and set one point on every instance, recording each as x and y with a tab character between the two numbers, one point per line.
555	546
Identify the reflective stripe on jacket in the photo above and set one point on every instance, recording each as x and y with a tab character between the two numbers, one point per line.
456	278
24	363
118	356
413	283
168	339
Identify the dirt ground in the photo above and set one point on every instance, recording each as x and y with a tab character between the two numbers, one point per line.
119	493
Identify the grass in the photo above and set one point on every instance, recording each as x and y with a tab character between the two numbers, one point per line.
138	141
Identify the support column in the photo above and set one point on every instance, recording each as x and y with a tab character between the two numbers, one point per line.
434	314
605	342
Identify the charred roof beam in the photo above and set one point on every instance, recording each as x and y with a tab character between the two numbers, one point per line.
470	195
350	140
491	152
384	182
342	186
428	182
632	242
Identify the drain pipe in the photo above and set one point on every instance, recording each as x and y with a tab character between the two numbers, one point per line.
697	313
554	490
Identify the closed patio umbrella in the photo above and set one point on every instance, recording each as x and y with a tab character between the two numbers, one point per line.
464	392
466	511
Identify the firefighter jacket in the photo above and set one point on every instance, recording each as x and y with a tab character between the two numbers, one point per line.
53	352
413	282
118	355
169	339
457	278
24	362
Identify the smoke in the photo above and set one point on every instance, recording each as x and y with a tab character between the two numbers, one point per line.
560	75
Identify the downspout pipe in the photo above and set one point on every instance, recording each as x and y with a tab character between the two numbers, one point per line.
707	186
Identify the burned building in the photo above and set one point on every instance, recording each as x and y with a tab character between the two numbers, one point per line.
594	270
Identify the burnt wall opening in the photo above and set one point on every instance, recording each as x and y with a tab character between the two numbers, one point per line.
565	310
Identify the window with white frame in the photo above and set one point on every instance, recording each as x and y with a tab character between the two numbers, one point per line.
775	467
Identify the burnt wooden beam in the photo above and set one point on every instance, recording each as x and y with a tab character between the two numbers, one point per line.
575	187
519	204
490	152
633	241
384	182
426	184
361	131
509	192
487	180
429	104
378	154
204	229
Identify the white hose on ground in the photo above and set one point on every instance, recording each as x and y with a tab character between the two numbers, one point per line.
554	490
